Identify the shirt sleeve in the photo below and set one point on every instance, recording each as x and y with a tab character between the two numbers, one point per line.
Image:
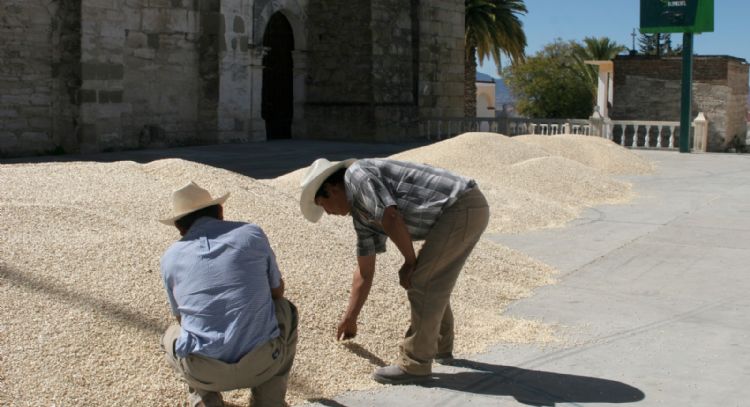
369	242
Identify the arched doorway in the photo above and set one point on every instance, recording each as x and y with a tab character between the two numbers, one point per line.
277	105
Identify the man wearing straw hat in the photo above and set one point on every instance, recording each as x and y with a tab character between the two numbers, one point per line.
404	202
235	328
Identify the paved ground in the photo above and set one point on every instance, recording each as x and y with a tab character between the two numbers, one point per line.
654	293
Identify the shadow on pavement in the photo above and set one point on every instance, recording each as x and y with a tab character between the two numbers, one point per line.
259	160
533	387
327	402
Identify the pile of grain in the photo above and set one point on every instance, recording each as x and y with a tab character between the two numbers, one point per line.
594	152
530	181
83	304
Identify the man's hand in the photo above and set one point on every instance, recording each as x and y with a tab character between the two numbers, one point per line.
404	274
347	329
278	292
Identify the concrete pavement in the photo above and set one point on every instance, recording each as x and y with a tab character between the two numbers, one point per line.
652	299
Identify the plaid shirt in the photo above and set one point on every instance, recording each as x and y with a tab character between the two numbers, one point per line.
420	193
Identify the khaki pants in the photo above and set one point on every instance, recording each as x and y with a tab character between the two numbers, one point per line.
448	244
265	369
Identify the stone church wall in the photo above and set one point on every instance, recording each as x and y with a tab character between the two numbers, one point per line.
101	75
39	76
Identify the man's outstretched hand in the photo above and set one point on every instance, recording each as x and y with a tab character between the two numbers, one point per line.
404	274
347	329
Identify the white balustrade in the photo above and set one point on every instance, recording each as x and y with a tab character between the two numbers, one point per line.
653	131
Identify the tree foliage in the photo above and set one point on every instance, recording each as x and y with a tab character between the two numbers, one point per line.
550	84
594	49
493	28
659	44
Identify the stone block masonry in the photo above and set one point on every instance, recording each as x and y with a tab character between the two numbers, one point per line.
101	75
38	76
648	88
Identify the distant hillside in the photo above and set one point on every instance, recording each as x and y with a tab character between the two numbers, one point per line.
502	93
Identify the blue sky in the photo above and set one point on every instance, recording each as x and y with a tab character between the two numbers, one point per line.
616	19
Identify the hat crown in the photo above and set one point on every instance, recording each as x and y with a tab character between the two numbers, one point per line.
317	167
189	197
318	171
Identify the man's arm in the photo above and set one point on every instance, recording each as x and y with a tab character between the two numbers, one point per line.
394	226
361	284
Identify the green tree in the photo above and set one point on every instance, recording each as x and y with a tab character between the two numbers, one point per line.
550	84
493	28
594	49
659	44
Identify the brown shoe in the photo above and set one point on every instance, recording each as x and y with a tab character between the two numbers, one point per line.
444	358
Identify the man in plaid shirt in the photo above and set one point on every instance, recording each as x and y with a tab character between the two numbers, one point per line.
404	202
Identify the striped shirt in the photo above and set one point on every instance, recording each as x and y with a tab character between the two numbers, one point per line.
218	279
420	193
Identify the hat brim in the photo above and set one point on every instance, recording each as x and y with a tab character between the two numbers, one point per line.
310	210
218	201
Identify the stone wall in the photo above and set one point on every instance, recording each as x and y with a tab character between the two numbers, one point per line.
101	75
39	76
378	75
339	87
647	88
169	83
441	69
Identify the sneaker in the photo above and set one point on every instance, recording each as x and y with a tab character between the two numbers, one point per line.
395	375
444	358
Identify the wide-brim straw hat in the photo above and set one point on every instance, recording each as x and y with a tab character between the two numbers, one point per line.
318	171
191	198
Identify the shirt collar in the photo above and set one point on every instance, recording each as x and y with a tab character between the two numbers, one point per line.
198	223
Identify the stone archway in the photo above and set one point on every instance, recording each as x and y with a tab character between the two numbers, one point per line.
277	104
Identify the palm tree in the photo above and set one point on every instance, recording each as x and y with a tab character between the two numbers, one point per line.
493	28
594	49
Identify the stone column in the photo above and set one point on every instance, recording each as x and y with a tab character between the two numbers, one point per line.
257	130
700	133
597	123
299	63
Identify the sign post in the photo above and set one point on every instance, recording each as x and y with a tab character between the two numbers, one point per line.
686	97
687	17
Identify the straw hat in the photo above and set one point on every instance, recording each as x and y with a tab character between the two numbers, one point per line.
191	198
319	170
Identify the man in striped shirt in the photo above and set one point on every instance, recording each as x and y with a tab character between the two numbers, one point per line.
404	202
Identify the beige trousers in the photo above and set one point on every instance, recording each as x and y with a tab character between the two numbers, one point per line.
265	369
446	248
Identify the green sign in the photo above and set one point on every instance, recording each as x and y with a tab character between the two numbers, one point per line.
675	16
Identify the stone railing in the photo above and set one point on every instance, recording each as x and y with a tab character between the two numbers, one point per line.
643	134
443	128
651	134
627	133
